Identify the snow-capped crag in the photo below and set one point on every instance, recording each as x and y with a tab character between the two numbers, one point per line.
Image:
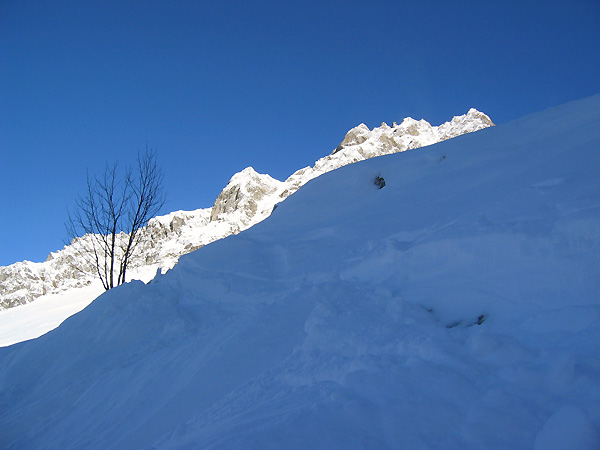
248	198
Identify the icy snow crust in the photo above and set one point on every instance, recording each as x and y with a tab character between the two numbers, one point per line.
456	308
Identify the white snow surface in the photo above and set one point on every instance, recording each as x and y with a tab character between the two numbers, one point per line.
34	319
457	307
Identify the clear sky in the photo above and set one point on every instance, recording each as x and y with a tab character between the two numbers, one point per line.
218	86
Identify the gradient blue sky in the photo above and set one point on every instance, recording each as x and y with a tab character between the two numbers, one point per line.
219	86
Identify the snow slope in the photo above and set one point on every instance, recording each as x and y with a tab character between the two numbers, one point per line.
48	311
248	198
455	308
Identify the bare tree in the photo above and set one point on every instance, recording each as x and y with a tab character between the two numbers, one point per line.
108	221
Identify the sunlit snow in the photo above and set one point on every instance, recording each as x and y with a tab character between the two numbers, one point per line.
457	307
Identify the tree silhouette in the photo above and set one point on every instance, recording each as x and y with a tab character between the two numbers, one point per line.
108	221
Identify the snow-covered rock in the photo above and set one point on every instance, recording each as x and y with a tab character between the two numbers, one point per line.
360	143
248	198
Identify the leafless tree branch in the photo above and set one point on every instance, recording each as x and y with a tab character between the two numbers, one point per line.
108	221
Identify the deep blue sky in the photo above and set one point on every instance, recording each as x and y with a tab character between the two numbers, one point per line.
219	86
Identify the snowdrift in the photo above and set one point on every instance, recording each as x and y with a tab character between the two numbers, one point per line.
457	307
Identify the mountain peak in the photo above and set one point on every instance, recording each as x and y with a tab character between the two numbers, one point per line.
248	171
242	196
467	123
356	135
249	176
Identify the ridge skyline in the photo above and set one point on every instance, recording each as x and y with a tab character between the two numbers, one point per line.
225	217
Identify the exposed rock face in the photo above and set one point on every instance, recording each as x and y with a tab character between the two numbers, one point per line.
24	281
355	136
472	121
243	197
248	198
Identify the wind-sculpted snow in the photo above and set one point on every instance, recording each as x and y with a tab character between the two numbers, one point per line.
248	198
457	307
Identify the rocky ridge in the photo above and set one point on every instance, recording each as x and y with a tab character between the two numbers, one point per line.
248	198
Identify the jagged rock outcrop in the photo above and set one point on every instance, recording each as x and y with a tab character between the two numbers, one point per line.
472	121
248	198
244	197
24	281
355	136
361	143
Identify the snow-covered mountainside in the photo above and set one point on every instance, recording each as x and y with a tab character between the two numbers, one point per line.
248	198
457	307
